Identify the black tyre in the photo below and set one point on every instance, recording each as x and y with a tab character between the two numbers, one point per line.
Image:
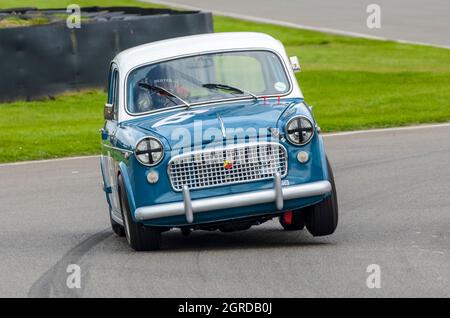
139	237
297	222
117	228
322	218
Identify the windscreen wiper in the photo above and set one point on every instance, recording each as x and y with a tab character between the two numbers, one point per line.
229	88
164	92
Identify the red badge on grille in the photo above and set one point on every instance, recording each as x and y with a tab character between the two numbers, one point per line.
227	164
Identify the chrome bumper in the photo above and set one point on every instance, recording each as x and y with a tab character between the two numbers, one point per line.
276	195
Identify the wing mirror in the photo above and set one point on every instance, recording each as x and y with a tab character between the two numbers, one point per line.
108	112
295	64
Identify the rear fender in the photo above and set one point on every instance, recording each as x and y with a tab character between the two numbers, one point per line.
105	187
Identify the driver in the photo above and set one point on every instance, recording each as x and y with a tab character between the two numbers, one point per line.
165	77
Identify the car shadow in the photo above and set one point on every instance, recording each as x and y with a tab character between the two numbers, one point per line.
262	238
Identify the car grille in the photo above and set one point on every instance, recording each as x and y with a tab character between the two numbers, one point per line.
229	165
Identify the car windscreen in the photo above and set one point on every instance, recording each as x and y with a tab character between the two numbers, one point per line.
206	77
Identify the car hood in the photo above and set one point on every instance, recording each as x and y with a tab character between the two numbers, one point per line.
205	124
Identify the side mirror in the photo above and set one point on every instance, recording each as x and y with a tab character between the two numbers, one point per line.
108	112
295	64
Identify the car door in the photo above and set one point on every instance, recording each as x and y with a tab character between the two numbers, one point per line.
109	166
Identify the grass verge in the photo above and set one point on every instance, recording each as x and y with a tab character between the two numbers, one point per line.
353	84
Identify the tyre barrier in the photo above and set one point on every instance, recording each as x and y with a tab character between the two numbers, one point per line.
44	60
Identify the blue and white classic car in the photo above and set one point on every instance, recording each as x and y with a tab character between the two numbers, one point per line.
211	132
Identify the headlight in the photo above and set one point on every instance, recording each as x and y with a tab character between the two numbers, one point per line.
299	130
149	151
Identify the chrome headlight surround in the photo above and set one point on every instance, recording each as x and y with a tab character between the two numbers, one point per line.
299	130
149	151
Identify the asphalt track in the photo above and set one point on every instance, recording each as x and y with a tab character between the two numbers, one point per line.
394	200
426	22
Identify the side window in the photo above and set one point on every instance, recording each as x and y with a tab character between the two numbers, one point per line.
116	93
110	86
113	89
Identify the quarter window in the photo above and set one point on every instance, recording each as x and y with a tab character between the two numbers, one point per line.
113	89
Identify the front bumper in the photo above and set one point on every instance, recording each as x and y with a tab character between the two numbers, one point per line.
276	195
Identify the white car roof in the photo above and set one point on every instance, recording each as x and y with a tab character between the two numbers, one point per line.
187	45
191	45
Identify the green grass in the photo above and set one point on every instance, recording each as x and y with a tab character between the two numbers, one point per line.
352	83
65	3
15	21
65	126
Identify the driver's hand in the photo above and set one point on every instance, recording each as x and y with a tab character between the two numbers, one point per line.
144	102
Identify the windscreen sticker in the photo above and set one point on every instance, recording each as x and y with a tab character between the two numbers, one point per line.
280	86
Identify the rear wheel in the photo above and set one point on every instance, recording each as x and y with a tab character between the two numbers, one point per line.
139	237
322	218
293	220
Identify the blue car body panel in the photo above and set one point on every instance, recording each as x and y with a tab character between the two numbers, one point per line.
263	115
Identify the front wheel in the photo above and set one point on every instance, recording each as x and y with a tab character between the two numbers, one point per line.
139	237
322	218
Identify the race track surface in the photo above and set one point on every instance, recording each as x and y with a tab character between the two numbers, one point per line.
407	20
394	200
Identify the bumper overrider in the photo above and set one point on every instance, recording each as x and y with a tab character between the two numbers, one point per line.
276	195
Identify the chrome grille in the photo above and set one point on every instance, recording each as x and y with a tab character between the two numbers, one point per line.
229	165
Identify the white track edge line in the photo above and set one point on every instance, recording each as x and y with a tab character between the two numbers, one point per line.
382	130
20	163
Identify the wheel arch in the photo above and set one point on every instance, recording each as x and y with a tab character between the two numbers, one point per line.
123	172
323	158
